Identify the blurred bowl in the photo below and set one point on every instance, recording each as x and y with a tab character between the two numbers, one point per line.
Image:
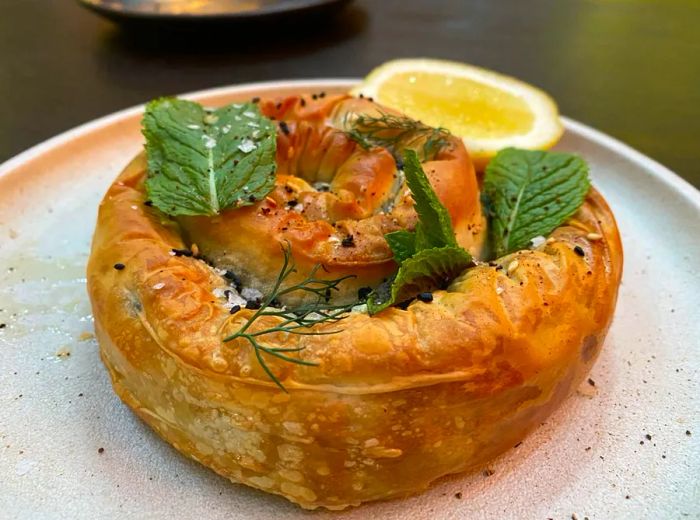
189	12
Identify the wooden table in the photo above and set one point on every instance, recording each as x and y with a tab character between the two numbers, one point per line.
628	67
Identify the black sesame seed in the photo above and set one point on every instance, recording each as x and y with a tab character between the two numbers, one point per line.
253	304
182	252
648	437
425	297
148	203
119	266
284	127
100	450
363	293
234	279
348	241
255	100
579	251
322	94
234	309
292	202
251	198
314	96
3	325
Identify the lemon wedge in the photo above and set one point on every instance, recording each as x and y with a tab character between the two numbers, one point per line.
488	110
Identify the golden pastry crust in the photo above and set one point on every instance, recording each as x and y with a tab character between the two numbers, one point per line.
397	399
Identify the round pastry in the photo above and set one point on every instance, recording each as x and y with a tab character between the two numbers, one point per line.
372	406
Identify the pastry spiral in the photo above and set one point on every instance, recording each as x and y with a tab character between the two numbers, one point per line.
333	203
395	400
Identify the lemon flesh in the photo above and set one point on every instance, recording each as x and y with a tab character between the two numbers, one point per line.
465	107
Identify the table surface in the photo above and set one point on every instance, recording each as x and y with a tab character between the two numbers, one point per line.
630	68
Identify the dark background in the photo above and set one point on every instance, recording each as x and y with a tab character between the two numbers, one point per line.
628	67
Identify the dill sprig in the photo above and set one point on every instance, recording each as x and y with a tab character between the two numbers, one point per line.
396	133
295	319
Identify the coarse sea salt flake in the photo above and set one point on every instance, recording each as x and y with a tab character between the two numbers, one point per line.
209	143
247	146
250	114
537	241
193	127
251	294
159	286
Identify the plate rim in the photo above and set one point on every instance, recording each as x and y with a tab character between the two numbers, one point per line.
658	170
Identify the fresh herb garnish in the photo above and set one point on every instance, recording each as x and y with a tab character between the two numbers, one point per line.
296	319
531	193
396	133
429	257
202	161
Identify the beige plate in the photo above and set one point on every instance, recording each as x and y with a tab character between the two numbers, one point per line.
592	458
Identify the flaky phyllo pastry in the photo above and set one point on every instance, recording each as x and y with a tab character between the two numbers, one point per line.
320	298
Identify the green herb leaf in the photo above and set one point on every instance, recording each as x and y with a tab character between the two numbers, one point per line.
427	269
201	162
429	257
434	228
402	244
530	193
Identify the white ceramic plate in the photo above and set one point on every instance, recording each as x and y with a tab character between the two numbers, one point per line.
590	459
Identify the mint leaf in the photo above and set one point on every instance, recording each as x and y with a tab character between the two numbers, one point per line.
429	257
426	270
201	162
434	228
530	193
402	244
